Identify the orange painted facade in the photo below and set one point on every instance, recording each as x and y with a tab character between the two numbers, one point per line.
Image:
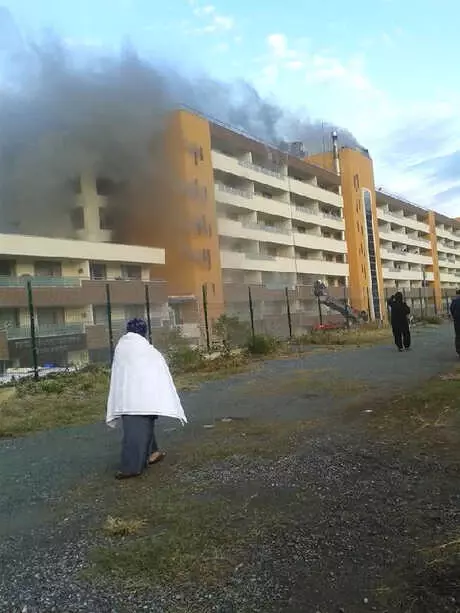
357	174
179	214
434	254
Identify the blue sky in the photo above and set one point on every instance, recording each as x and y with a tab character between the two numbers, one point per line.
385	69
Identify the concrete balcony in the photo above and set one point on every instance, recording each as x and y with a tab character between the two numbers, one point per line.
255	232
321	267
404	275
254	261
403	239
319	243
407	222
450	236
314	193
249	201
301	213
448	277
404	256
14	333
251	172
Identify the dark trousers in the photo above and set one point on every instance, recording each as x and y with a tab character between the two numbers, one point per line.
457	335
138	443
401	335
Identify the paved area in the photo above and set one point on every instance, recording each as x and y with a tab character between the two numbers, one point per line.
38	471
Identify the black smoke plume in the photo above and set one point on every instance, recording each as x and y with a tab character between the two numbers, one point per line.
62	114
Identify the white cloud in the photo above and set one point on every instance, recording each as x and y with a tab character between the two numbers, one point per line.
415	144
213	22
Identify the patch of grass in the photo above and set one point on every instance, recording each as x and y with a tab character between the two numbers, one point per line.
60	401
76	399
303	382
116	526
431	580
243	438
365	335
196	530
429	414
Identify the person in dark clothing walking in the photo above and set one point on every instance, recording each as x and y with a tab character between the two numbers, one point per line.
399	313
455	312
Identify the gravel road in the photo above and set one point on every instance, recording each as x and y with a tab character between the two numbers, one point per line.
42	543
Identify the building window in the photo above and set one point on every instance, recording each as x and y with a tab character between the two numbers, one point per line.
97	271
356	182
134	311
48	269
77	217
100	316
50	317
7	268
195	157
105	222
104	186
131	271
9	318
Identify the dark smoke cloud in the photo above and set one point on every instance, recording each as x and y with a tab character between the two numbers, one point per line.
62	115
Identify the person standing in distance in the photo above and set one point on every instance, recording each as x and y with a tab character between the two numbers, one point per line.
455	312
399	314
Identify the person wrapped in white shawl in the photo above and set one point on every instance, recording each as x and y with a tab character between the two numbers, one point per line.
141	389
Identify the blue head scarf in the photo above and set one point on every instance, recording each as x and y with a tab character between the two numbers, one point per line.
137	326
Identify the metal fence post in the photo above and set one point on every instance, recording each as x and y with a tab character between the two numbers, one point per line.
320	312
251	313
33	336
347	312
206	319
288	312
446	298
147	311
109	320
434	302
420	297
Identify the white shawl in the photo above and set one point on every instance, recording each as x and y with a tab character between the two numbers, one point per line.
140	382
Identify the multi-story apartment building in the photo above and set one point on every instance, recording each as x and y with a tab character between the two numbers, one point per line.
249	215
400	245
227	211
69	281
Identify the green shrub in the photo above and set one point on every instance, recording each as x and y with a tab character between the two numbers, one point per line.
261	345
230	331
183	359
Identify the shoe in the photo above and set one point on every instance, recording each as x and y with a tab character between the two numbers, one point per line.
121	475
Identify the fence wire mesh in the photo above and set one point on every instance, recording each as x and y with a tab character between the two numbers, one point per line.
62	326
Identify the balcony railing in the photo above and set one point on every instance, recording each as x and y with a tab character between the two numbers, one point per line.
266	228
43	331
244	193
263	169
40	281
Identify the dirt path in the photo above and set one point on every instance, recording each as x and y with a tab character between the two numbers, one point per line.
43	541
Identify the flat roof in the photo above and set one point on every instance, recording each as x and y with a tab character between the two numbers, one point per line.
400	201
18	245
243	141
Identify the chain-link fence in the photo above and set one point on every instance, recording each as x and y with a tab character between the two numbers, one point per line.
283	313
422	301
63	325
